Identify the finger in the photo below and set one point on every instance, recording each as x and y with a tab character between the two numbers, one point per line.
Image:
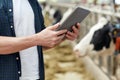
72	34
54	27
75	30
78	26
58	33
60	37
70	38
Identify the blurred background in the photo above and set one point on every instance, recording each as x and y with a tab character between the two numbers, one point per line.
61	62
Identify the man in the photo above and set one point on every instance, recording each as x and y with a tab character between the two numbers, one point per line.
21	55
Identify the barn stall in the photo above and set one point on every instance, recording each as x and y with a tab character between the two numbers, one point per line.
97	67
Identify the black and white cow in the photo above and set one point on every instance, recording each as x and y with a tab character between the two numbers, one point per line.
98	40
102	39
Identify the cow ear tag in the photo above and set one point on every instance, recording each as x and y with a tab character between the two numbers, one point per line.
115	32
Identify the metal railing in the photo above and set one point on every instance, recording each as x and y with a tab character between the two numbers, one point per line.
106	63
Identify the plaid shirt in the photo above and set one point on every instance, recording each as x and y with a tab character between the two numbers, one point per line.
10	66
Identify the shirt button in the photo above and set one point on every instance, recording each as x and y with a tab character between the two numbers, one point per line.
17	58
11	26
10	10
18	72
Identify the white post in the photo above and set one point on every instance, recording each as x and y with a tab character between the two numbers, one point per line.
94	69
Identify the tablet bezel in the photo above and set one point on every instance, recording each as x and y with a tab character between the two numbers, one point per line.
77	16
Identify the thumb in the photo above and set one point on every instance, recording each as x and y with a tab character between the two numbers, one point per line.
54	27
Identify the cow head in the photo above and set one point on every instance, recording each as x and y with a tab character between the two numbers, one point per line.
101	37
98	39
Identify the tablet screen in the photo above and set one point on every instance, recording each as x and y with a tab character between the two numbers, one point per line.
77	16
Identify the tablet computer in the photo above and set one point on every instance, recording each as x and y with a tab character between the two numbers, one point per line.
77	16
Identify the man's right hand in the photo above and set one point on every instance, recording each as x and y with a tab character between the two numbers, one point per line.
49	37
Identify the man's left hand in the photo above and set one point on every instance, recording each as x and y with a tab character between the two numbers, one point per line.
74	34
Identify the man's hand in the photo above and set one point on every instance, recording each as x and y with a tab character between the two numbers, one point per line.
46	48
49	37
74	34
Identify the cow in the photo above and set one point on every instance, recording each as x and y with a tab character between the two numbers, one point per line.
103	39
54	14
97	41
